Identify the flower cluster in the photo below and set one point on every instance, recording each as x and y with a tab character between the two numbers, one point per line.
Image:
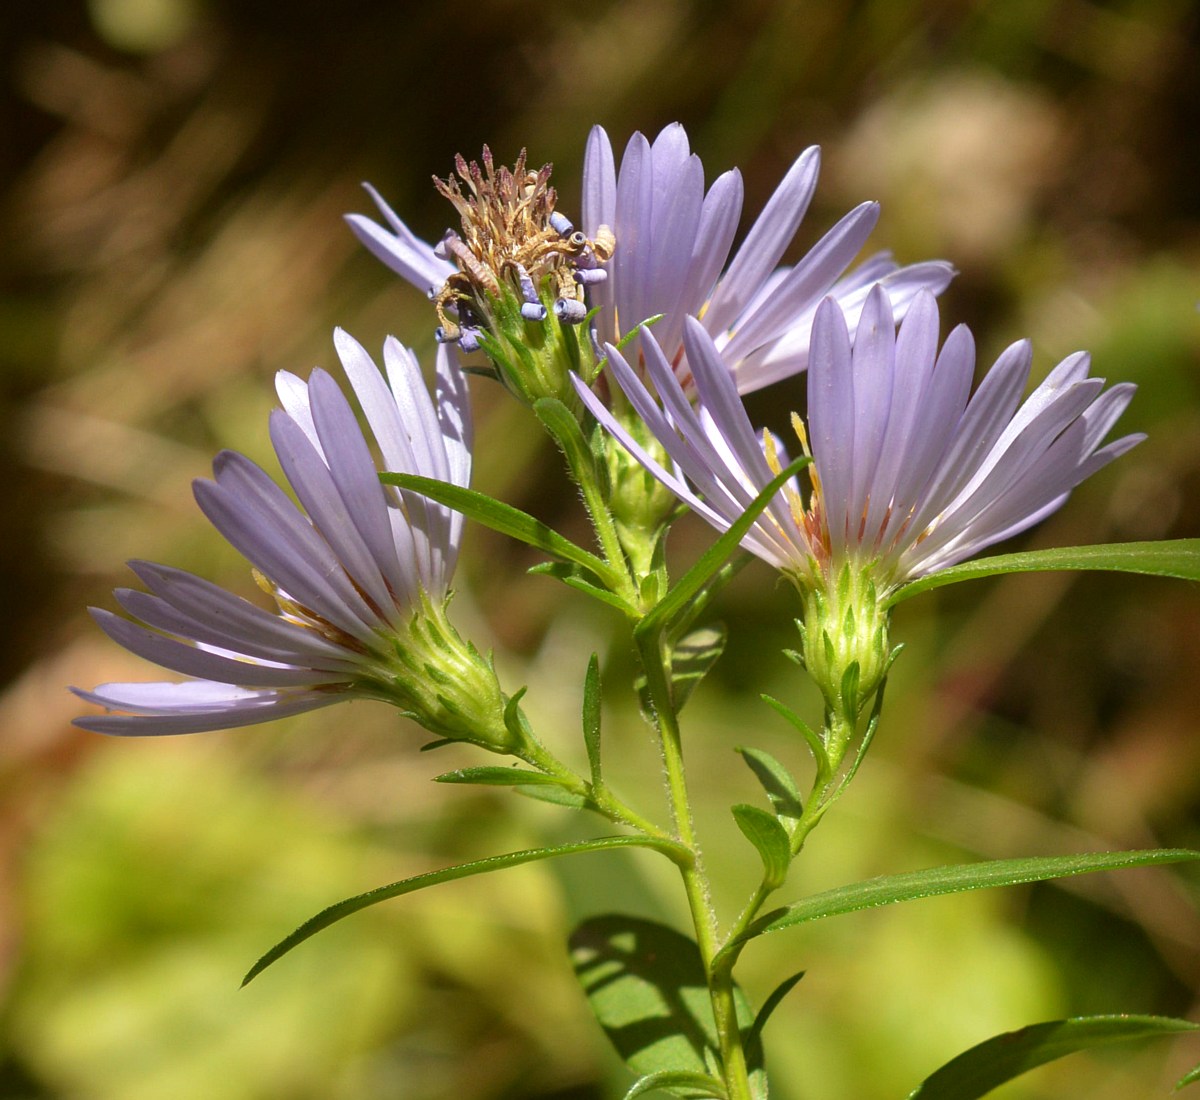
910	473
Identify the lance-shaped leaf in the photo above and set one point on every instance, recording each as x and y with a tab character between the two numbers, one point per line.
647	987
691	659
776	780
507	520
495	776
1174	558
769	838
686	1084
1189	1078
693	581
336	912
591	718
953	879
977	1071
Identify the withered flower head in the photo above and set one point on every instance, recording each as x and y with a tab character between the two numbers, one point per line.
513	244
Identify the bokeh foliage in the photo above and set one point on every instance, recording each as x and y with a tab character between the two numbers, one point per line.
171	187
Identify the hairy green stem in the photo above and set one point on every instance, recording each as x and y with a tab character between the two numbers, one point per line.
655	662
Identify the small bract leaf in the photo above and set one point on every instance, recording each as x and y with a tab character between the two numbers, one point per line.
647	987
977	1071
496	776
1189	1078
677	1083
591	716
776	780
1173	558
769	838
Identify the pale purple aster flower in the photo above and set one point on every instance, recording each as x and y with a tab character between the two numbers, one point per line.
356	573
673	248
672	256
910	474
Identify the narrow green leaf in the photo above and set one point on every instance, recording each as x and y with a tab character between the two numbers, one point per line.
1173	558
769	838
754	1035
673	1081
776	780
977	1071
555	795
341	909
560	422
505	519
691	659
646	985
591	717
954	879
581	580
813	739
715	556
1189	1078
496	776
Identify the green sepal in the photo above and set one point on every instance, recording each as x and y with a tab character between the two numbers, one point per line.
440	743
564	428
953	879
693	581
1171	558
647	986
336	912
976	1072
676	1082
507	520
493	776
591	717
776	780
769	837
816	745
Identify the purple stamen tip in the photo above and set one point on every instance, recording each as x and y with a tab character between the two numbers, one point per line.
469	341
439	334
590	275
533	311
441	249
570	311
561	223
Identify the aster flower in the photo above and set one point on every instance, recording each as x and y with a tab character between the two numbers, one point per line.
359	583
909	475
672	242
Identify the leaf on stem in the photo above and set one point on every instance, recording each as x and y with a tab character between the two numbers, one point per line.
776	780
1172	558
813	739
769	838
675	1082
647	987
954	879
1189	1078
977	1071
694	580
691	659
591	717
342	909
753	1038
497	776
505	519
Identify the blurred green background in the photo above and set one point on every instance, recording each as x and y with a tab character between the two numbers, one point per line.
172	179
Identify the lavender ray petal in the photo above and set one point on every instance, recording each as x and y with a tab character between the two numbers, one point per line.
676	223
405	253
192	718
293	396
812	277
831	414
635	235
260	522
873	363
600	208
770	235
161	615
321	496
192	661
210	604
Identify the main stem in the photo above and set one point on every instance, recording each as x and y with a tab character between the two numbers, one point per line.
695	881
